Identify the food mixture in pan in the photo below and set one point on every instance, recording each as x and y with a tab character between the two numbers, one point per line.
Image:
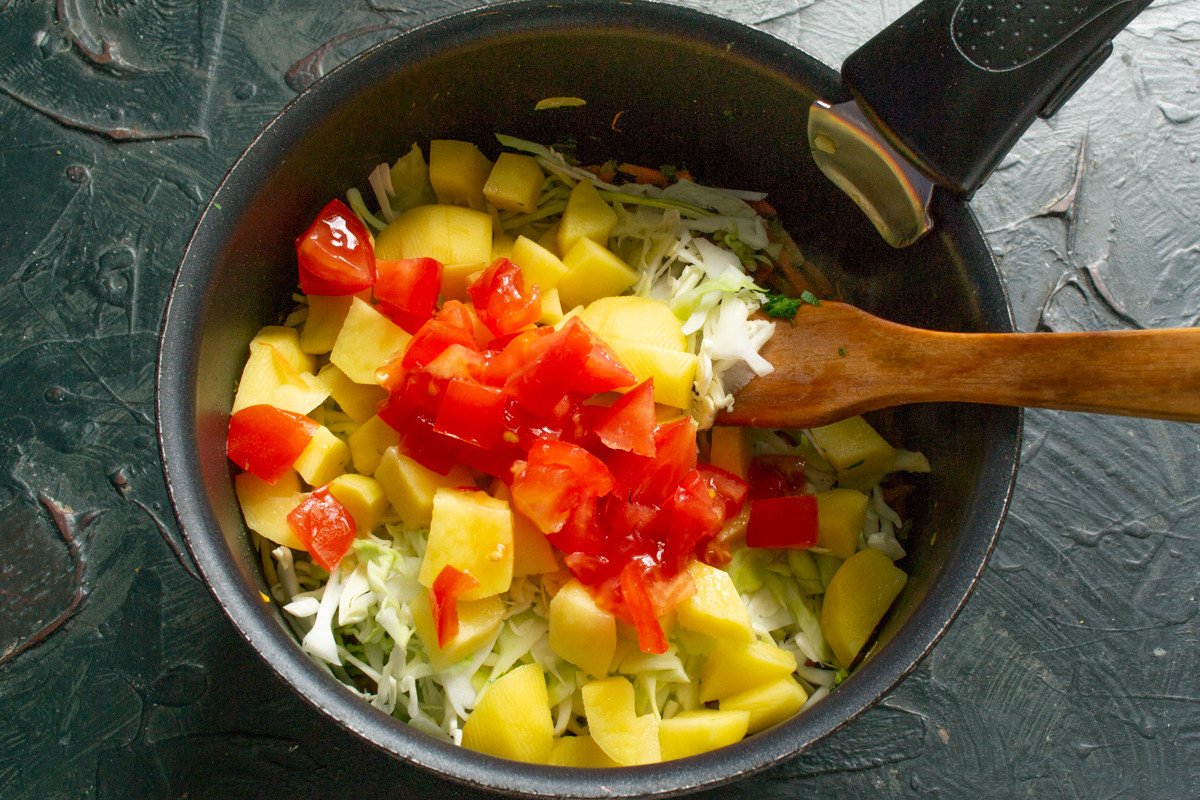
480	462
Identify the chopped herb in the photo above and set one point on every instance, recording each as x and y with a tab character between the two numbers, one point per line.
780	305
217	206
842	352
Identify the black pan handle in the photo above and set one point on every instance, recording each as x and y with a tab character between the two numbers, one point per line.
954	83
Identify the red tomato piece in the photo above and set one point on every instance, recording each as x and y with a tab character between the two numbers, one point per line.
431	339
407	290
502	300
458	361
508	356
641	609
783	522
770	480
629	423
335	254
652	480
695	514
265	441
557	478
324	526
447	587
603	371
729	487
471	412
552	370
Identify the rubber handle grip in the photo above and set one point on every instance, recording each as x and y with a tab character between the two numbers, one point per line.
954	83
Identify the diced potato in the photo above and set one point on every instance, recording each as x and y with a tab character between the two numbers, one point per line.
360	401
512	718
266	506
626	738
515	183
368	443
538	265
410	487
458	172
733	668
478	622
451	234
840	517
532	553
363	497
323	459
587	215
549	240
593	271
502	243
278	373
580	631
552	312
715	609
325	317
579	751
730	450
673	372
472	532
768	704
693	732
859	454
859	594
457	277
368	340
635	319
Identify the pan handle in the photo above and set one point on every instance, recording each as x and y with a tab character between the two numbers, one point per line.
954	83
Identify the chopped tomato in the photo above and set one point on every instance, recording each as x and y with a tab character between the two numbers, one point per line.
502	300
458	361
729	487
265	441
449	584
324	526
407	290
768	480
629	423
471	412
335	254
783	522
695	515
651	480
637	598
557	478
431	339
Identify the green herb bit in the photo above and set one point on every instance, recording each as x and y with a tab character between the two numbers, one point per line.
842	352
810	298
780	305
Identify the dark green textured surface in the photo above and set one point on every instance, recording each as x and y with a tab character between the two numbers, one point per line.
1070	674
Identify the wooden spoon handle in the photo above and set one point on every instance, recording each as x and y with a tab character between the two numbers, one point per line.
836	361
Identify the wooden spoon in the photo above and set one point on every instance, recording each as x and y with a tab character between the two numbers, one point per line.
834	361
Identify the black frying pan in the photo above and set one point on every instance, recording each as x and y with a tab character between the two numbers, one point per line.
664	85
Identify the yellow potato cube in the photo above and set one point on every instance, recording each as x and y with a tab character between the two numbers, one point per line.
457	277
532	553
478	622
768	704
580	631
693	732
410	487
512	718
859	454
325	317
515	183
451	234
502	243
858	595
472	532
368	340
674	372
287	342
549	239
840	517
734	668
458	172
593	271
539	266
638	320
624	737
587	215
265	506
360	401
714	609
552	312
324	459
363	497
730	450
368	443
278	373
579	751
